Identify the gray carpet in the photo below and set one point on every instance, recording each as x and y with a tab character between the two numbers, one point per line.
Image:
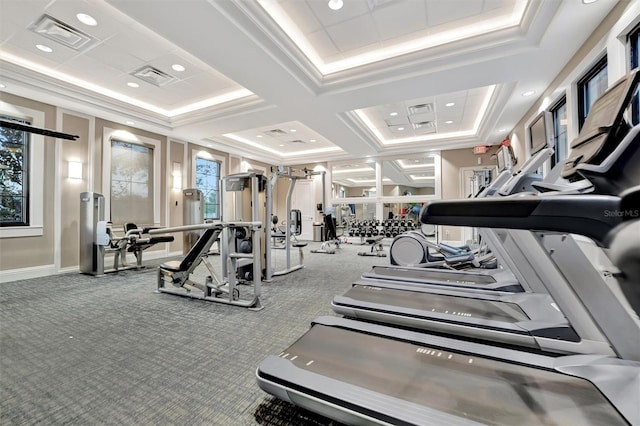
76	349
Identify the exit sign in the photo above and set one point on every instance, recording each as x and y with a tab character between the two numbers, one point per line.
480	149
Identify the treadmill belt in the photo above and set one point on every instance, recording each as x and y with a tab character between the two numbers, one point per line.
433	274
454	305
467	386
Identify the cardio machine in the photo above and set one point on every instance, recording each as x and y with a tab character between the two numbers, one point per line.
529	319
360	372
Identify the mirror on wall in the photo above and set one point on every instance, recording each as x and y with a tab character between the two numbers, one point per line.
412	176
385	189
354	179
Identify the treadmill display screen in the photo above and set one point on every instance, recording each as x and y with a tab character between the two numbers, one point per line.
468	386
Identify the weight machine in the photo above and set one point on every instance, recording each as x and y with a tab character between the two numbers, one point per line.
214	289
293	224
241	249
97	239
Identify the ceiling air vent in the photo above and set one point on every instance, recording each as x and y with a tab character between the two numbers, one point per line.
297	141
424	124
153	76
62	33
420	108
425	127
276	133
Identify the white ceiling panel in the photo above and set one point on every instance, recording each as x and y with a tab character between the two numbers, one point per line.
399	19
356	33
16	15
116	58
137	45
302	14
323	44
90	69
327	17
441	11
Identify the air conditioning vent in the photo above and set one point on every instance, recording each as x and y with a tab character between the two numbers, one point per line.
420	108
424	124
62	33
153	76
276	133
297	141
425	127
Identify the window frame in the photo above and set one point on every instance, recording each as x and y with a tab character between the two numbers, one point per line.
25	170
151	155
122	135
222	173
582	84
634	61
562	101
36	182
218	189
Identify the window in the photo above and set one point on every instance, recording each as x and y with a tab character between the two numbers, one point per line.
559	116
208	181
132	192
634	45
592	85
14	175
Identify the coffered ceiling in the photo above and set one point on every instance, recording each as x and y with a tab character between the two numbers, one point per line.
293	81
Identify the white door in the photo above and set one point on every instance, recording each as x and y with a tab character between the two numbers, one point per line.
304	199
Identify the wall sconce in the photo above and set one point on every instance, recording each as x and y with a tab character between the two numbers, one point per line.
176	173
75	170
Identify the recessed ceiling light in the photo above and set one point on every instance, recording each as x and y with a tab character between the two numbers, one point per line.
2	86
87	19
450	104
400	128
529	93
292	130
281	144
132	84
312	140
130	123
448	122
258	136
502	130
335	4
177	67
44	48
589	1
393	114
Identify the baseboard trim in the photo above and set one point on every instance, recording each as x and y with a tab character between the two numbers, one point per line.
27	273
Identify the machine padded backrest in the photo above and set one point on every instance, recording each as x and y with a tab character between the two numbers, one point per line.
201	247
331	227
129	227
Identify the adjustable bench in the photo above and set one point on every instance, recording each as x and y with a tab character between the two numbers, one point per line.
376	247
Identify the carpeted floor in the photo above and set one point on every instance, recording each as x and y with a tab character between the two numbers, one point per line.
77	349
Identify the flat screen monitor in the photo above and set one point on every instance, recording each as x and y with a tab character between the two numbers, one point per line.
503	158
602	127
538	134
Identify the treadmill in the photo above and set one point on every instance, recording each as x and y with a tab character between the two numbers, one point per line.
607	114
477	278
535	320
364	373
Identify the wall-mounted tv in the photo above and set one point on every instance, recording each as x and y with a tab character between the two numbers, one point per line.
504	159
538	134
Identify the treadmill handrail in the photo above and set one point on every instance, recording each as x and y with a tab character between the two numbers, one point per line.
593	216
